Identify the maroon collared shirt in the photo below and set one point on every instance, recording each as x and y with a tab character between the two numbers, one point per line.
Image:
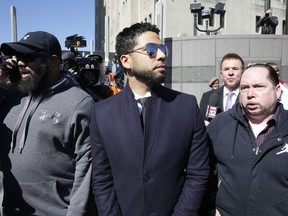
271	124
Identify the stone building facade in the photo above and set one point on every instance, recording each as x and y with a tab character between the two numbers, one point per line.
194	56
177	20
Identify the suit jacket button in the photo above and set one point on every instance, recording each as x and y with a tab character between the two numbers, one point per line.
146	179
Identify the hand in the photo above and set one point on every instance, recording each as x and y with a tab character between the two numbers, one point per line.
4	79
9	74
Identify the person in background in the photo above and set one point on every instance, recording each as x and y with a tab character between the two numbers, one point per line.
231	68
111	83
156	161
284	87
115	66
119	75
109	76
214	83
250	148
268	23
45	149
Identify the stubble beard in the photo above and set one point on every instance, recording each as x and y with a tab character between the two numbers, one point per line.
149	78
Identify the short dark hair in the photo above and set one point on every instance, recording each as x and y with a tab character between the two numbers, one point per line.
127	39
232	56
272	74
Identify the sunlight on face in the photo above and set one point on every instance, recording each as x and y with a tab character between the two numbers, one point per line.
231	71
258	95
146	69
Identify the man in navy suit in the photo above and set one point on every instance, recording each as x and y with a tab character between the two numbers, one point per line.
231	68
156	167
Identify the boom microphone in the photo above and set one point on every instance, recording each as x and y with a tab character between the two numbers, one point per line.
212	107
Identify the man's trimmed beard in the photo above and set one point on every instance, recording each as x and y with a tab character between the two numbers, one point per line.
34	83
149	78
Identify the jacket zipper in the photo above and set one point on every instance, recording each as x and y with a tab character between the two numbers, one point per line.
257	150
219	182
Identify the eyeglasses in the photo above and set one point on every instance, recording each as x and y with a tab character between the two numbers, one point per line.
152	49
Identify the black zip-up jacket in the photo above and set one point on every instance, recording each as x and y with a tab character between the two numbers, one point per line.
268	24
251	181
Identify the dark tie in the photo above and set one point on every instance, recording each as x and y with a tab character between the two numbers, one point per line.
143	102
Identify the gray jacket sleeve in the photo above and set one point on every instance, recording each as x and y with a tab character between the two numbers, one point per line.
80	195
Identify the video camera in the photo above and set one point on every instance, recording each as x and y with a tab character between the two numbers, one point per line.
75	41
91	59
85	69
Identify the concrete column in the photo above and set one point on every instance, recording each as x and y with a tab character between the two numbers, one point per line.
159	17
286	19
13	23
106	43
267	5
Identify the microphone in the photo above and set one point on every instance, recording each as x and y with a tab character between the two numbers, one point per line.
212	107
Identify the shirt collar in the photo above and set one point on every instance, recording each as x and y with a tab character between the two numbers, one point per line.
235	91
137	96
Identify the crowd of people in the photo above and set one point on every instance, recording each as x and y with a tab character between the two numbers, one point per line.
63	153
95	78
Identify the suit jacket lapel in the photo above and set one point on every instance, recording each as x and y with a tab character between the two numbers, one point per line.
131	119
152	125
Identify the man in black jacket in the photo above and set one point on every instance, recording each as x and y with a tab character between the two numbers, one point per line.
250	147
268	23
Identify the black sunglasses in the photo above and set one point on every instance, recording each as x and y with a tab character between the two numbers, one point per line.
31	57
152	49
